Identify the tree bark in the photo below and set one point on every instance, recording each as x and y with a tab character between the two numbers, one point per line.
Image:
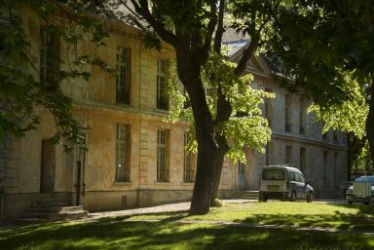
370	122
189	68
218	165
202	192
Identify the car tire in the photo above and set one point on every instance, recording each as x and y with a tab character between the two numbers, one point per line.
366	203
284	196
262	197
349	202
309	197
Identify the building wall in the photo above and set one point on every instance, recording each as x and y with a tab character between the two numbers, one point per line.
326	176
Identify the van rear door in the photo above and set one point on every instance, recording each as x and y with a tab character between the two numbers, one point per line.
273	180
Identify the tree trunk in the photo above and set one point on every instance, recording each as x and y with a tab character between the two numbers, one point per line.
189	73
370	122
204	180
207	151
218	165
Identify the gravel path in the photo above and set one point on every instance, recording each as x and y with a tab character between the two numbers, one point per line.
181	206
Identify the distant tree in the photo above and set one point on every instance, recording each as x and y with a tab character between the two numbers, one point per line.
23	91
326	46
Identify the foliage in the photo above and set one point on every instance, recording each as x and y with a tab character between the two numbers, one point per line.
23	93
325	46
246	126
349	115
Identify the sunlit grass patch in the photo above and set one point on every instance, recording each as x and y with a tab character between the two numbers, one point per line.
296	226
293	214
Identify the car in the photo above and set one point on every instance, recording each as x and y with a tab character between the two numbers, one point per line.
285	183
361	191
344	187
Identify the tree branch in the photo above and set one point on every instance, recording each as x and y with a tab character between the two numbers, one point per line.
159	27
220	28
247	53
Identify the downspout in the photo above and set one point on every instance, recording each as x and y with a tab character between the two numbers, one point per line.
2	179
140	121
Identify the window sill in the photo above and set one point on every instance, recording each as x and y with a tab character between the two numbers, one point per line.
162	111
189	184
122	183
123	105
160	183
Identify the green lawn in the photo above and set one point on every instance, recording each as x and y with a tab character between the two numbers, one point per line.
252	225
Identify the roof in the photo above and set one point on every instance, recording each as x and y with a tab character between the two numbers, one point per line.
235	46
282	166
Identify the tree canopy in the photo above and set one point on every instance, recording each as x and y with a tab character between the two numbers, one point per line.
326	47
195	30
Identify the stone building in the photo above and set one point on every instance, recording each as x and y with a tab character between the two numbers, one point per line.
297	139
135	158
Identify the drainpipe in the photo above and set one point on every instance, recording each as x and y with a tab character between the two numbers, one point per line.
140	120
78	184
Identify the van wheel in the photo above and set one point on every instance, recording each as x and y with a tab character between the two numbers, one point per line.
309	197
261	197
293	196
284	197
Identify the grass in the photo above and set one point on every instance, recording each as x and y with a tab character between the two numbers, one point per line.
295	226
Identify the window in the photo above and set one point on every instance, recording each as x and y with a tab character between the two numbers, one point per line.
267	108
325	135
267	154
162	97
287	111
303	160
292	176
187	173
302	116
273	174
162	153
123	153
299	178
336	169
123	84
335	136
288	154
326	172
49	60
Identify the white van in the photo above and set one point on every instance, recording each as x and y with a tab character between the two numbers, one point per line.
285	183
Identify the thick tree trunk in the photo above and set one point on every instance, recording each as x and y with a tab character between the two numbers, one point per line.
218	165
189	74
207	151
224	111
370	122
204	180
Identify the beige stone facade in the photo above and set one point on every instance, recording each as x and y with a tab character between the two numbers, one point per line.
153	167
297	138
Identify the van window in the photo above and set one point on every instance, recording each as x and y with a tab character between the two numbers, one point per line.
292	176
273	174
300	178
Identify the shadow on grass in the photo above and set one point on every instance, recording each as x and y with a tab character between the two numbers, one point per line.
363	220
150	217
129	232
120	233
